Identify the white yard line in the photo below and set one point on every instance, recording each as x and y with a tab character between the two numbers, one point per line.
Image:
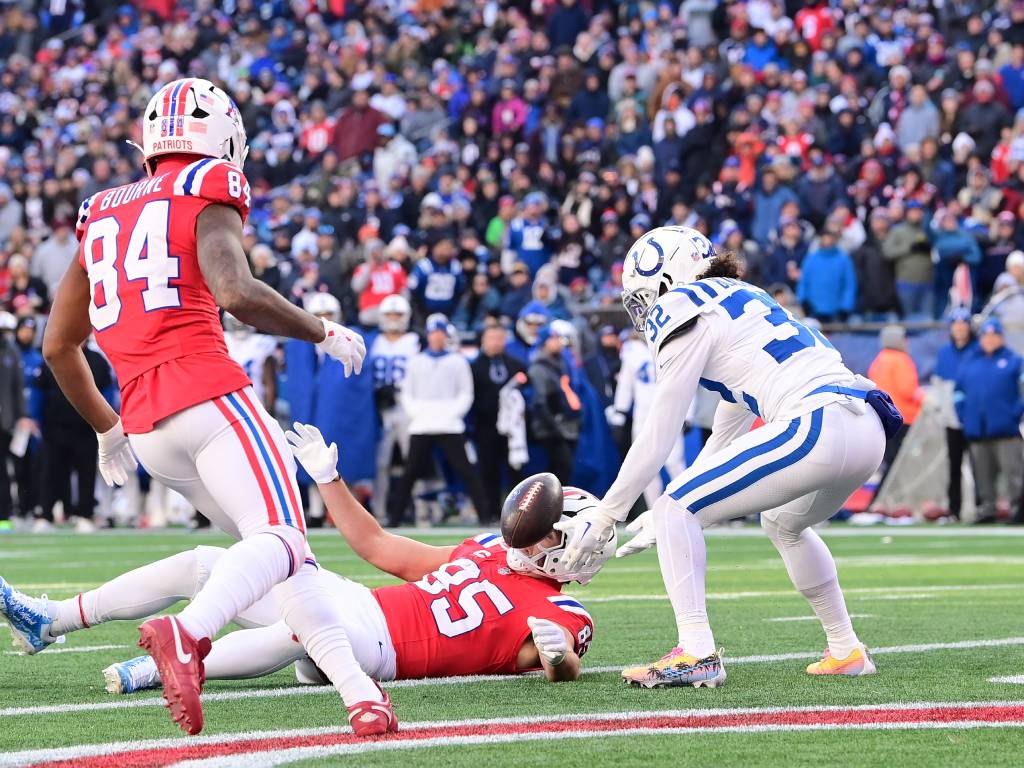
894	591
90	750
128	702
1012	679
815	618
76	649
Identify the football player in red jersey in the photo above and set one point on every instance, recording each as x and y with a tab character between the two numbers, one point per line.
157	258
475	608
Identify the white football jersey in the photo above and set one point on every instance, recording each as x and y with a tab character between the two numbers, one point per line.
761	355
251	350
389	360
635	386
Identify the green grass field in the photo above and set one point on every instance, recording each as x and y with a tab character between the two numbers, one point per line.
907	587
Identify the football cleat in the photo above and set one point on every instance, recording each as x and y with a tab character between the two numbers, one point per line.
373	718
678	668
179	662
130	676
28	619
858	663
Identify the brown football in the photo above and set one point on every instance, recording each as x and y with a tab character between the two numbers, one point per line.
531	509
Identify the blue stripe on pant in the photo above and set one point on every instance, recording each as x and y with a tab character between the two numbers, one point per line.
748	456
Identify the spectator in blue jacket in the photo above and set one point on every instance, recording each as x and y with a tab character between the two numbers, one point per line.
989	404
768	202
828	282
954	246
782	263
436	282
951	356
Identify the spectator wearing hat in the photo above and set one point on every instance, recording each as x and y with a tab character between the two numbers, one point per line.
53	256
554	417
436	282
895	372
819	189
436	395
394	155
951	356
508	116
591	103
827	287
781	265
768	201
878	300
988	402
918	121
528	239
355	132
375	279
907	246
518	293
493	369
25	294
304	241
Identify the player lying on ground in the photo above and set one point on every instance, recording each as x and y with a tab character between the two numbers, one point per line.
475	608
824	434
157	259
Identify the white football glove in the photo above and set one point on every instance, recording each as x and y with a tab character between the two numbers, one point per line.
586	533
549	639
643	527
344	345
316	457
116	459
613	417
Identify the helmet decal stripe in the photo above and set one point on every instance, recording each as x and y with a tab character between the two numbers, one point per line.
172	110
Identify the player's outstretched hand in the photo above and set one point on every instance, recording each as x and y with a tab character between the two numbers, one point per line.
344	345
316	457
586	533
116	459
644	539
549	639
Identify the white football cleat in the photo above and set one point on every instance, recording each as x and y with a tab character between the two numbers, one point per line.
130	676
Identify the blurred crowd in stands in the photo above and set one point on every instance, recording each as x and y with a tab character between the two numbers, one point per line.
491	162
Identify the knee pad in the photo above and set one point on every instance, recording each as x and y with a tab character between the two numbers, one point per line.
206	559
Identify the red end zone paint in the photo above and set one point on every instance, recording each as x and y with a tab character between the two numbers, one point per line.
838	718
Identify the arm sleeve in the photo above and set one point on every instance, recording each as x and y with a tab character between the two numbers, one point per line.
680	364
731	421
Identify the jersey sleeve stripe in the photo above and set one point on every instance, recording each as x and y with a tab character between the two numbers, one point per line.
691	295
570	605
486	538
751	404
711	292
719	387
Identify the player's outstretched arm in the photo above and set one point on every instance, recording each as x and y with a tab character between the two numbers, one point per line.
552	645
226	271
66	331
398	555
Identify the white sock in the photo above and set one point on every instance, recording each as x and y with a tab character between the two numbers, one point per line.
812	570
244	574
683	559
133	595
314	615
253	653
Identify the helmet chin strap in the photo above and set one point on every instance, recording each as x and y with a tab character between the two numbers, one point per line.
145	164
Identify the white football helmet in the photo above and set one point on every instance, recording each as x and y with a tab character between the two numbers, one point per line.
546	562
394	314
323	304
195	117
662	259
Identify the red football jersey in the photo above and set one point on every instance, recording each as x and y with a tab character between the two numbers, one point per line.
469	616
152	312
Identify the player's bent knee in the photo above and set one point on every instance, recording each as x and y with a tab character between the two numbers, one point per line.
292	539
205	560
779	534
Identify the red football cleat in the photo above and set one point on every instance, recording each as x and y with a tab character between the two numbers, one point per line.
179	657
373	718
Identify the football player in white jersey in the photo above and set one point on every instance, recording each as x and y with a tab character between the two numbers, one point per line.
824	434
255	353
634	390
389	356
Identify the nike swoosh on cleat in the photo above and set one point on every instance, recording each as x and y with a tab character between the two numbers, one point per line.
183	657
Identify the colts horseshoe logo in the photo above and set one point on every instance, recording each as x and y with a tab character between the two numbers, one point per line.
657	267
